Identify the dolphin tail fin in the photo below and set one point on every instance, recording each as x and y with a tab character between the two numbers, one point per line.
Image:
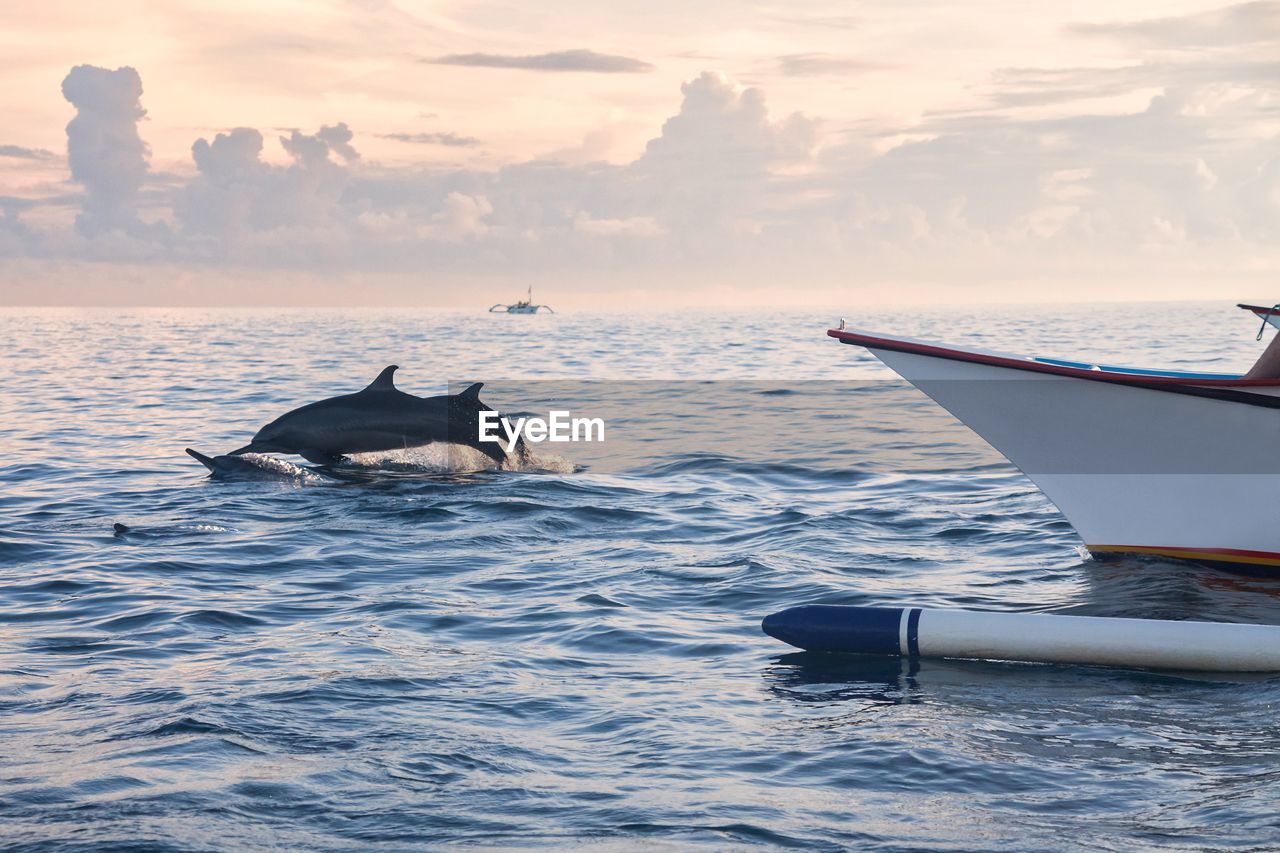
201	458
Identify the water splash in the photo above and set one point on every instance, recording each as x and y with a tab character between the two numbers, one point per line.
454	459
273	466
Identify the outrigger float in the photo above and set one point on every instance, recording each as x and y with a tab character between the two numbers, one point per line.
1033	637
524	306
1163	463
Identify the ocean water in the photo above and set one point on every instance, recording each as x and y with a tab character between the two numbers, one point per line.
412	653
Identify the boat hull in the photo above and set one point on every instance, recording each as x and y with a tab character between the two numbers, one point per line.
1171	469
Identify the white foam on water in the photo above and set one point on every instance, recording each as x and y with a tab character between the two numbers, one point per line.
455	459
549	464
279	467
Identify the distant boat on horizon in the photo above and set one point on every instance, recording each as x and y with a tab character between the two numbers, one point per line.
524	306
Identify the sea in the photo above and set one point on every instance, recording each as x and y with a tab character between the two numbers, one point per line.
410	650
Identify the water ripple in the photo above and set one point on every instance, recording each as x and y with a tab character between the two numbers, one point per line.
403	654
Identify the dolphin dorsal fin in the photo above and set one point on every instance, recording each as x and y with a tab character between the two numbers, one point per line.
471	392
384	382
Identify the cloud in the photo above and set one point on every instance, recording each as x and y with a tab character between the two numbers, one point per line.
818	64
1018	87
447	138
563	60
720	127
14	204
1241	24
1161	180
725	189
1237	46
21	153
635	226
317	147
103	147
460	217
338	137
238	201
704	177
715	159
834	22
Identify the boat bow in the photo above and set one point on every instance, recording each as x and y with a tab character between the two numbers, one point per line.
1140	461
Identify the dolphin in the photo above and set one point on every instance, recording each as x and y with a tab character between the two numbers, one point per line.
381	417
241	467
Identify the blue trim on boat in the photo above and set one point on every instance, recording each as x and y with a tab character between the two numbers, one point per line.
1180	374
1136	371
1058	362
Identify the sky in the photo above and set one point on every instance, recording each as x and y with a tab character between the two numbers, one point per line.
664	154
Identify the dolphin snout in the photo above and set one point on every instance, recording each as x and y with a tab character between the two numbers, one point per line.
259	447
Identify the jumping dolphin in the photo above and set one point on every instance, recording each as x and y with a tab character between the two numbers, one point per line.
244	468
381	417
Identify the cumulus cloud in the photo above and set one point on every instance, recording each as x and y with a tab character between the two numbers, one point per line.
460	217
706	177
1161	179
338	138
106	154
723	187
721	128
446	138
315	148
714	165
237	198
561	60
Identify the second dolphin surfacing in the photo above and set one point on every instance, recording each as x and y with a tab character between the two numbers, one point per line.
381	417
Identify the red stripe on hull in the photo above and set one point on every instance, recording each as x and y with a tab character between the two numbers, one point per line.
874	342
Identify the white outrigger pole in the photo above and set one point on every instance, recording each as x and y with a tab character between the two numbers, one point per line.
524	306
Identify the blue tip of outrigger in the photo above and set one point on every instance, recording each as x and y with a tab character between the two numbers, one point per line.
835	628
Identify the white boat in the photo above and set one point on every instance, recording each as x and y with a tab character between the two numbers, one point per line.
1265	313
524	306
1156	462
